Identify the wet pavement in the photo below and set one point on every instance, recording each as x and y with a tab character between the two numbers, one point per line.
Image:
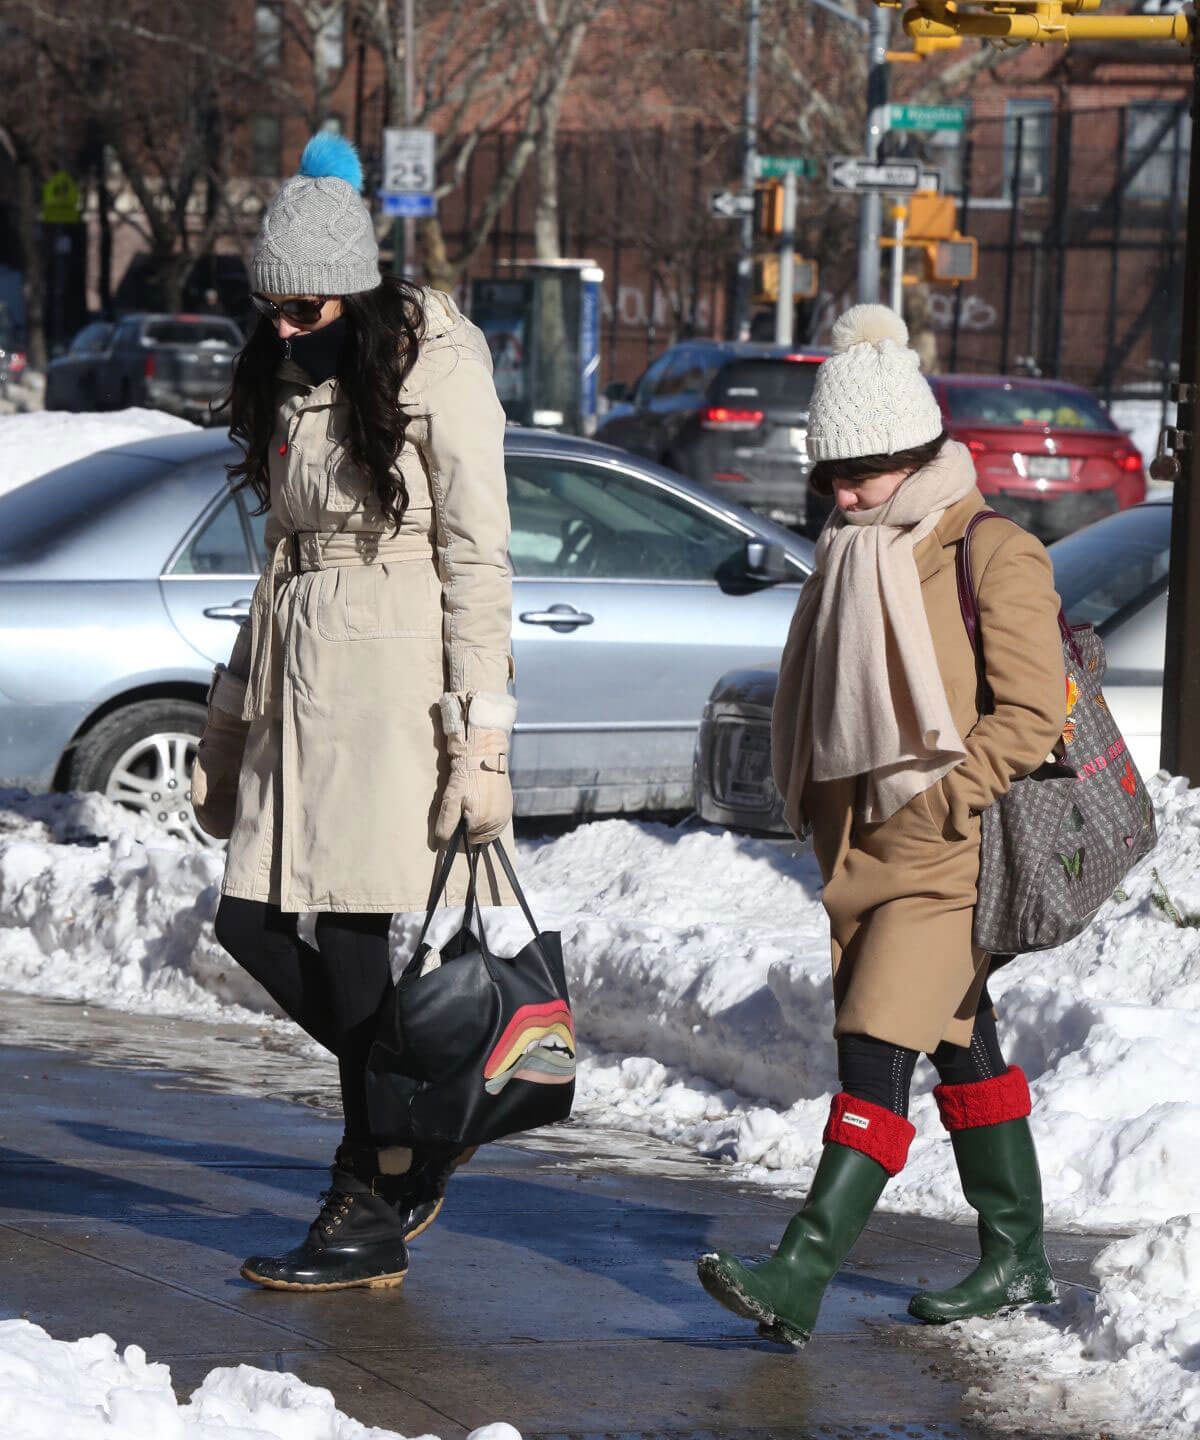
557	1291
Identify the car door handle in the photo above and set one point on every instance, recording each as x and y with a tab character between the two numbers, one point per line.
239	610
563	618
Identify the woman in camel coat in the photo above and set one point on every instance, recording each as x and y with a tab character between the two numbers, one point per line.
883	753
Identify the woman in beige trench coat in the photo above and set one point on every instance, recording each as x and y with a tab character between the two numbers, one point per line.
881	751
364	713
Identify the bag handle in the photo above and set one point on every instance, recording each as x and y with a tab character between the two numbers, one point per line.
968	602
472	907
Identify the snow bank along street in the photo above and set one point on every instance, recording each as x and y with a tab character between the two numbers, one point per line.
87	1390
43	440
699	966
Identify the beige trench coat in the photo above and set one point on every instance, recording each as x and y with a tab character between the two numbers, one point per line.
350	650
901	895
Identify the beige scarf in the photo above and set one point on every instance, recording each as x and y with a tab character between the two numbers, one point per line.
860	693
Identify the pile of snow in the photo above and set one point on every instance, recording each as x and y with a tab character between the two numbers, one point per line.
86	1390
699	965
1123	1362
45	439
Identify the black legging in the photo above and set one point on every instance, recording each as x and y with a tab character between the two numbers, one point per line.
334	991
881	1072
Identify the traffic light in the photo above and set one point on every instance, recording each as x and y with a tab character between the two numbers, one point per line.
768	208
954	260
805	278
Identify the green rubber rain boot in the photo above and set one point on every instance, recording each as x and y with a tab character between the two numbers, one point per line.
864	1146
998	1166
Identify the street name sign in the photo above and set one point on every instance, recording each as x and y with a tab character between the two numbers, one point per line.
775	167
729	204
400	205
854	174
927	117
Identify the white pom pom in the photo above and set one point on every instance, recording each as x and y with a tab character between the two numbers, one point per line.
868	325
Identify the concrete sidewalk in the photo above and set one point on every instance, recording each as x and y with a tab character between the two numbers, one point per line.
557	1292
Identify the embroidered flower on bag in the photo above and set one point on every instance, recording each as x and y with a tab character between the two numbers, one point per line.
1072	864
1100	700
1129	779
1072	693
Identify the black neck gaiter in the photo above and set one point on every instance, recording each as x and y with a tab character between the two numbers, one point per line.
317	351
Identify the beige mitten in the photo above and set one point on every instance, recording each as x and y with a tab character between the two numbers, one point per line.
478	790
219	756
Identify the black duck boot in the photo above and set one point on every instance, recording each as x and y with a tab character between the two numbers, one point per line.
998	1166
356	1239
864	1146
420	1192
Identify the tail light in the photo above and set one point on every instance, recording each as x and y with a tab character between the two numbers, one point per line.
151	365
720	417
977	448
732	475
1128	459
16	362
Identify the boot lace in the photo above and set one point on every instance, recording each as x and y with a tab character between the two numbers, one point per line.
335	1206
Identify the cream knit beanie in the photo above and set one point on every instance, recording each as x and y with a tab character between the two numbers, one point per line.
870	397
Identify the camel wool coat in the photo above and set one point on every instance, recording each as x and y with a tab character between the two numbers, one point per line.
356	634
900	895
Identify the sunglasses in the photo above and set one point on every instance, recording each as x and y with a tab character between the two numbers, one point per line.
304	311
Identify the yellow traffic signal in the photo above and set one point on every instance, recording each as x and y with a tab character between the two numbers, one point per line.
931	216
805	278
768	208
1038	22
954	260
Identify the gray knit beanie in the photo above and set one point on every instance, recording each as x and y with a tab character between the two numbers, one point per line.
317	237
870	397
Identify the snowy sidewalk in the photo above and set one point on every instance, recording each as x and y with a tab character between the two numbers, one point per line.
556	1292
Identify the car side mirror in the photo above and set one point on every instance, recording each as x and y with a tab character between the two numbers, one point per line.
765	562
616	391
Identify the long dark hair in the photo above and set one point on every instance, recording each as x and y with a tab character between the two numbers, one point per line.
384	328
826	473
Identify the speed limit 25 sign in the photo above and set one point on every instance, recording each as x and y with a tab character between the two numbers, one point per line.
408	162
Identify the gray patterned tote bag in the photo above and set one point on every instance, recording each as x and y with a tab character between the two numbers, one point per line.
1058	844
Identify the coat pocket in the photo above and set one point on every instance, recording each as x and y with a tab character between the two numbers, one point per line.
387	600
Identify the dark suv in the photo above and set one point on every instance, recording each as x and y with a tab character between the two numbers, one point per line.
730	416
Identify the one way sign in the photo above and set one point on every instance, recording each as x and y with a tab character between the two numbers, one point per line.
729	204
852	174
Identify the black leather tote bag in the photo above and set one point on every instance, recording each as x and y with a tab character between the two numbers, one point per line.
480	1045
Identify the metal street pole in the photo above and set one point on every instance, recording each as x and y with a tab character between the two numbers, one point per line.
871	206
899	215
785	304
1181	668
745	265
410	225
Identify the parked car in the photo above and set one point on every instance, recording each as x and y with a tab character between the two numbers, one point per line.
73	378
122	575
732	417
178	363
12	357
1112	575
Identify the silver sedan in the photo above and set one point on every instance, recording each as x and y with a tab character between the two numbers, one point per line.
123	574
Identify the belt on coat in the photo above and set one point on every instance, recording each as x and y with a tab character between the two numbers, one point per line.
295	552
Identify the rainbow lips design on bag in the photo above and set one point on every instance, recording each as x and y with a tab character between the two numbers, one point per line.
538	1044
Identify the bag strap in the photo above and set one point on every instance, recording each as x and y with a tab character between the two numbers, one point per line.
968	601
441	879
507	866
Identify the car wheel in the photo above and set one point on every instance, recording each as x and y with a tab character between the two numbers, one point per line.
141	757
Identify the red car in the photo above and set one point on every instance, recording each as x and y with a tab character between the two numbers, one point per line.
1047	454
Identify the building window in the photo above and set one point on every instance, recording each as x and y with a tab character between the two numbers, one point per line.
268	36
1031	119
265	162
331	42
1158	136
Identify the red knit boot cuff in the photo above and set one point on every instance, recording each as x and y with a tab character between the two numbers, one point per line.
879	1133
984	1102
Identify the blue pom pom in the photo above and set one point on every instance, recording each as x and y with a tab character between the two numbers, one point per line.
330	154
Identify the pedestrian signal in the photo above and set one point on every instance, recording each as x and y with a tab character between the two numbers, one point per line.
806	276
955	260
